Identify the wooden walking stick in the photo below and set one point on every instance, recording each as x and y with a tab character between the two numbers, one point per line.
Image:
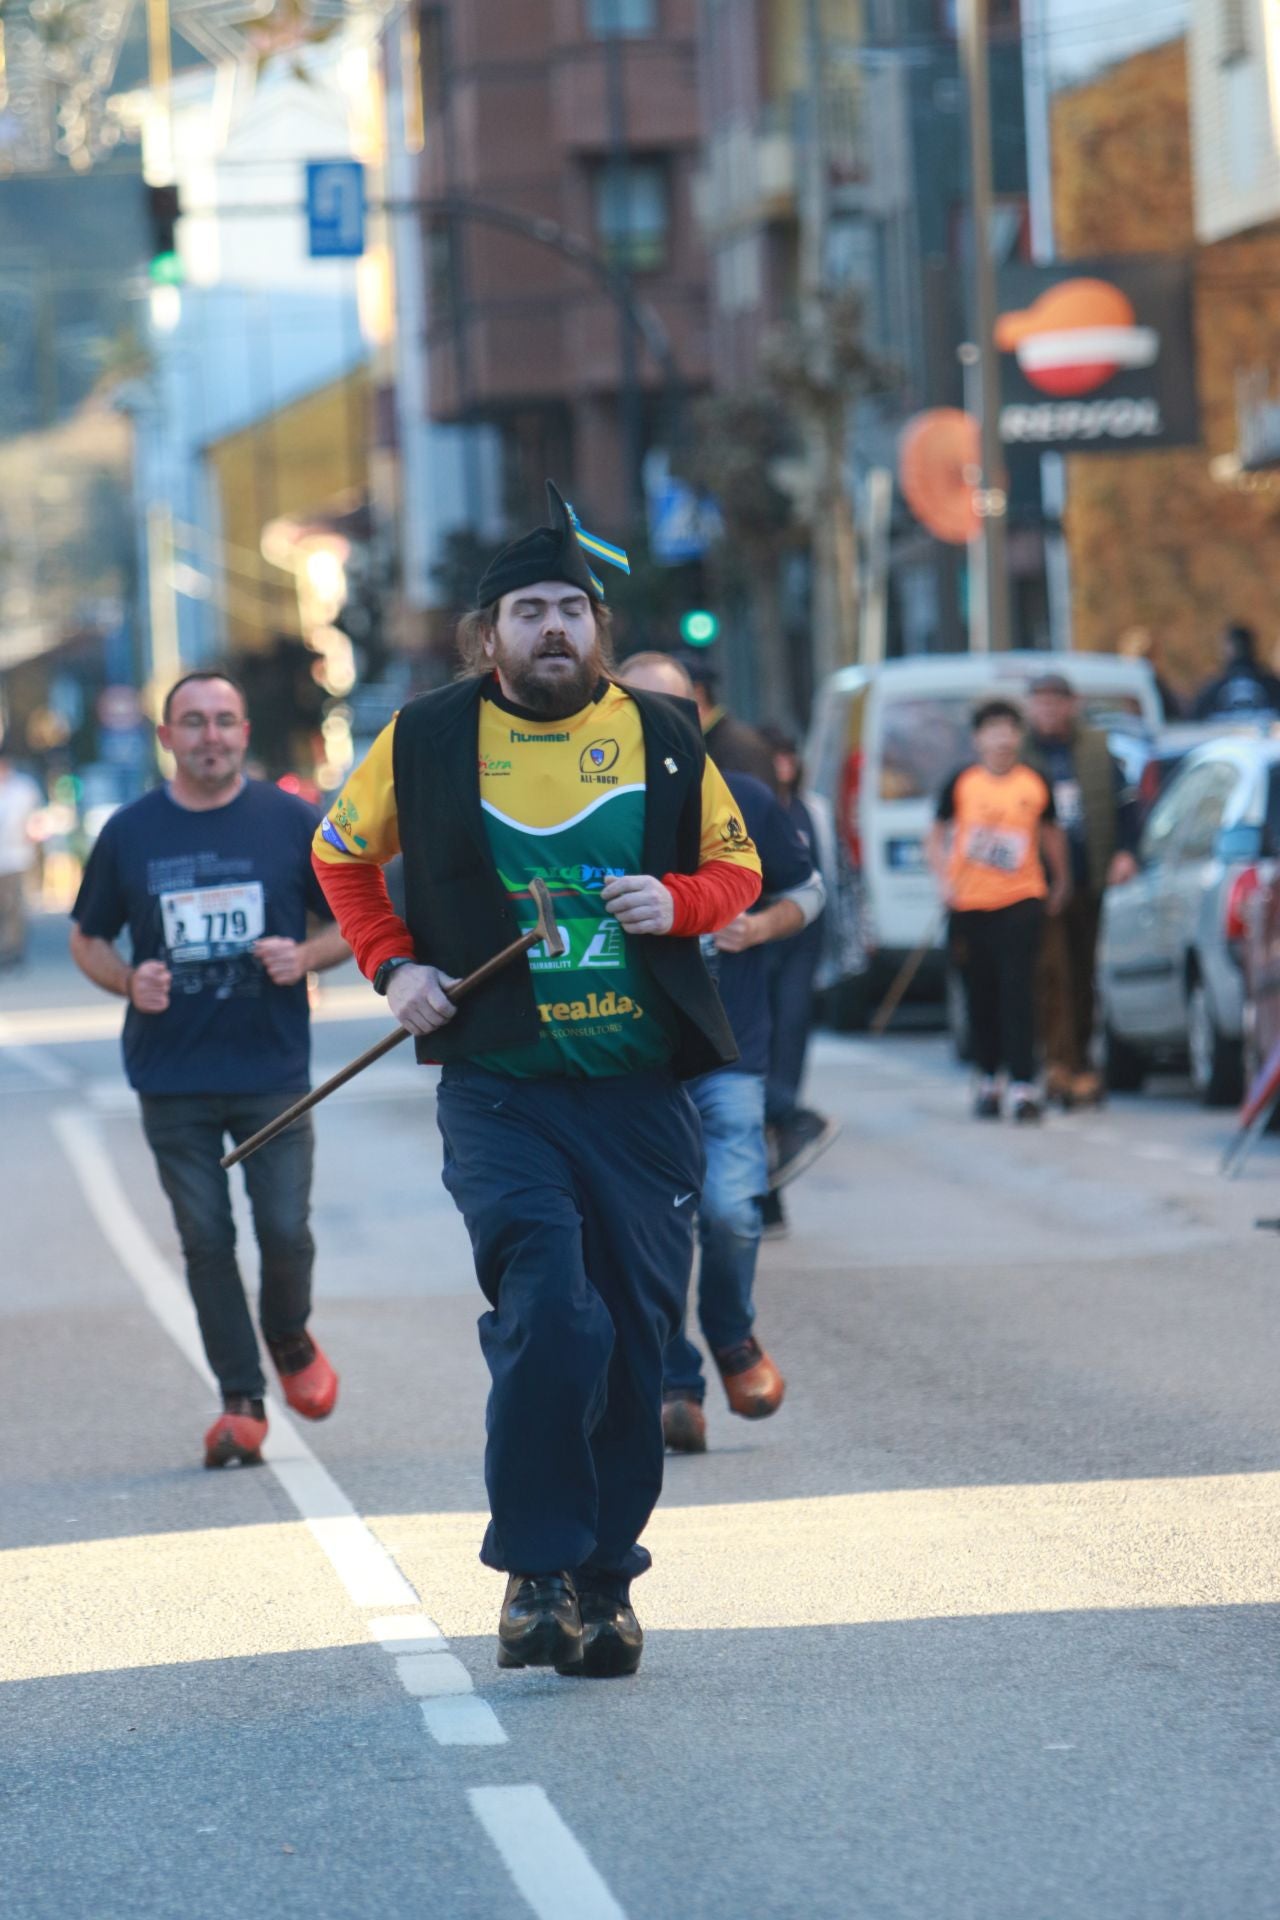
904	977
545	932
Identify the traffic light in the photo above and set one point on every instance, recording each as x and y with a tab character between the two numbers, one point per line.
699	627
163	211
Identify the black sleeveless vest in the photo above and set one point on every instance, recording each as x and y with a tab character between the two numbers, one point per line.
457	908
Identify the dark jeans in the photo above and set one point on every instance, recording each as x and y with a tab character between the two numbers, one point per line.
1066	982
731	1108
580	1198
997	952
186	1133
792	965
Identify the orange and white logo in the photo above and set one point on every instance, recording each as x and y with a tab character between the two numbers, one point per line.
1078	335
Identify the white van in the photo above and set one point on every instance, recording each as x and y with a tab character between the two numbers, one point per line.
883	742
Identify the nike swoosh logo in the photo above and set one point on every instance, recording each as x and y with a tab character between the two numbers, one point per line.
680	1199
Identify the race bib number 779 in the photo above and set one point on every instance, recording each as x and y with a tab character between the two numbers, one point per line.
210	923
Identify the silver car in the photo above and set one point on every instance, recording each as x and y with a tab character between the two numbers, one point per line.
1170	974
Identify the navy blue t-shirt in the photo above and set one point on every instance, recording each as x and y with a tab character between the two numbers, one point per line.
196	890
743	978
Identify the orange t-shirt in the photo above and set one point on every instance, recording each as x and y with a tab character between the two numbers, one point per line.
995	852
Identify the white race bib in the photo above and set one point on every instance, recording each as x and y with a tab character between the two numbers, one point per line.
1067	803
1002	849
210	923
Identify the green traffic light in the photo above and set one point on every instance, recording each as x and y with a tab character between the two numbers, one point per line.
699	629
166	270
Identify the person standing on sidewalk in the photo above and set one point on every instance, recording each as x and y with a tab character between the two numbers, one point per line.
994	835
731	1107
797	1134
571	1148
212	877
1099	817
1244	689
19	798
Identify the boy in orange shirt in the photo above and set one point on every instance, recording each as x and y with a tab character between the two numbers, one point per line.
994	837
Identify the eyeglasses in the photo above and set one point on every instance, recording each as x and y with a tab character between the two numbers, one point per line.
195	723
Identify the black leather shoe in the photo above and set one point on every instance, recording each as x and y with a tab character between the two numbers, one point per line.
540	1625
612	1638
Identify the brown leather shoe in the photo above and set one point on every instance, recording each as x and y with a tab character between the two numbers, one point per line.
753	1384
684	1426
1087	1090
1060	1085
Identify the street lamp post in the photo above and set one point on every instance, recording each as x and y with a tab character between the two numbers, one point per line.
993	495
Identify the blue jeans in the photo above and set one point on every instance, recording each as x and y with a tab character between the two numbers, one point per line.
186	1134
579	1197
731	1108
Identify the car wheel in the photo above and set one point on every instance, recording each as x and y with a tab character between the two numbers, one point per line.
1216	1061
1124	1069
958	1016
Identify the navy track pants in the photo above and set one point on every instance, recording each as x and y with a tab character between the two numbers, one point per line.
580	1198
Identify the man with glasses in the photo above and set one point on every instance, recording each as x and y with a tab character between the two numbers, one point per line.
212	876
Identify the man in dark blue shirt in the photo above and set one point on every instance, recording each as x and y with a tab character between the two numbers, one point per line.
731	1107
212	876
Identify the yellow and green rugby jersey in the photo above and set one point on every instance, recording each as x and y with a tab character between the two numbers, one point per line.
563	802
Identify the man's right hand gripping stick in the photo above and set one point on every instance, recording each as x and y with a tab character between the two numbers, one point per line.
545	932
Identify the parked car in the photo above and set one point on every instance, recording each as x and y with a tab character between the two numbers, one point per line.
1262	952
1171	975
1166	753
883	742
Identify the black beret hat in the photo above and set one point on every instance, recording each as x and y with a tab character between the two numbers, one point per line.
548	553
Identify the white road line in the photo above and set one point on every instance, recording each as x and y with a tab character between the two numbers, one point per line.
547	1864
406	1633
43	1067
460	1720
428	1675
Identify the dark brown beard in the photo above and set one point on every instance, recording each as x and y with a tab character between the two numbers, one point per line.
550	700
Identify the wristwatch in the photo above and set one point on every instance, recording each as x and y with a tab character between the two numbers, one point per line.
382	978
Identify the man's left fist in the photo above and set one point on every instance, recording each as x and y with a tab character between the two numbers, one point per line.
284	960
639	903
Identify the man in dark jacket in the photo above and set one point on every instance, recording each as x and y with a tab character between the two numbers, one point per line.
1243	687
731	1106
732	744
1098	815
570	1145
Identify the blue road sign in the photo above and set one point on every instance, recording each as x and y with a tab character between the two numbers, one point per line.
682	523
335	209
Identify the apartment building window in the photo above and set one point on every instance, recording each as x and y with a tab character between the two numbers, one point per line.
631	215
622	19
1233	31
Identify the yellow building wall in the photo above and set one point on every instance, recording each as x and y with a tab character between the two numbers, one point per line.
297	461
788	64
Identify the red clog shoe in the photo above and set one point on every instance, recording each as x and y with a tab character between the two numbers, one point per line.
308	1382
236	1436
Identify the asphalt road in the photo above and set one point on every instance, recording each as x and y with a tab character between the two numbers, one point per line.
981	1627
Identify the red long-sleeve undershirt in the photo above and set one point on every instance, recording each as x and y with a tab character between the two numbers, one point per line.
357	891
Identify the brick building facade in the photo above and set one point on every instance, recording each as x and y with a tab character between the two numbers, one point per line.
1156	539
583	114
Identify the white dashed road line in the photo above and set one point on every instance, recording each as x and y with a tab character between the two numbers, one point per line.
547	1864
542	1856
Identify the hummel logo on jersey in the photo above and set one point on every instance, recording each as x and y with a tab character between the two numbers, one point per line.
536	739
